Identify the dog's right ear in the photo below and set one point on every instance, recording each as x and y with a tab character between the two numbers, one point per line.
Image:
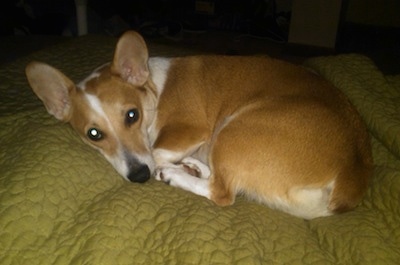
52	87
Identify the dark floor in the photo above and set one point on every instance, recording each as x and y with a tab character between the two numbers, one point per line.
382	46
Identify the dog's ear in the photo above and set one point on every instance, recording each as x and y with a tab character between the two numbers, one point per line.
130	59
52	87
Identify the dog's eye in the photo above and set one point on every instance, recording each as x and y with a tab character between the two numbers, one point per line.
95	134
131	116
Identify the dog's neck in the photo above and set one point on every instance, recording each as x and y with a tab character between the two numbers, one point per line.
158	67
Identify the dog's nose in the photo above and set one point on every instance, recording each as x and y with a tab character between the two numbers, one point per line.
141	175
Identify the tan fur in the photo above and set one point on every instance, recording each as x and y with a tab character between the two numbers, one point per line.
269	129
291	128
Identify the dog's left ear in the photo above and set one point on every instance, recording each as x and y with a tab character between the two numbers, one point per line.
130	59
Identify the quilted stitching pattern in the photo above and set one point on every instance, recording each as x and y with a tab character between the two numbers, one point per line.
61	203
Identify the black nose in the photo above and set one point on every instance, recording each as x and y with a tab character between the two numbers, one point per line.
141	175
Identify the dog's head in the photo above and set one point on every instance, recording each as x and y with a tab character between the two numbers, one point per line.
111	109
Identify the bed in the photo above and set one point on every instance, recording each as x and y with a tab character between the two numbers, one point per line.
62	203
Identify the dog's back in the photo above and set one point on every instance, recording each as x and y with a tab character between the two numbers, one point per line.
273	131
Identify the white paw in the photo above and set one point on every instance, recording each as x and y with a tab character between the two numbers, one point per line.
166	174
178	177
194	164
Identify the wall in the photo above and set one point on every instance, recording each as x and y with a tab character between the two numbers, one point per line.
374	12
315	22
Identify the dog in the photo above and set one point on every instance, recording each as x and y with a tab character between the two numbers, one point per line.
218	126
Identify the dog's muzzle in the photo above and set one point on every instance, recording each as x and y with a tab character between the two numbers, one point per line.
141	175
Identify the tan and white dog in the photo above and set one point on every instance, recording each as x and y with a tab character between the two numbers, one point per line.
218	126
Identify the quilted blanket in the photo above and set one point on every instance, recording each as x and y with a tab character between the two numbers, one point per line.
62	203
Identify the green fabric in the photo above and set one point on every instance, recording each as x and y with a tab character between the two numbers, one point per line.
62	203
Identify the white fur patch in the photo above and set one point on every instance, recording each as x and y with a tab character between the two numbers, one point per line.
95	73
118	160
307	203
95	104
159	70
311	202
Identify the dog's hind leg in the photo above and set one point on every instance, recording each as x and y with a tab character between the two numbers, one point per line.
221	191
202	170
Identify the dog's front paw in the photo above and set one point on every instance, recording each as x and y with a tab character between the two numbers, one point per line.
178	177
166	175
158	174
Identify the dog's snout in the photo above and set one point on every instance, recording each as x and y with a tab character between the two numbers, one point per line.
141	175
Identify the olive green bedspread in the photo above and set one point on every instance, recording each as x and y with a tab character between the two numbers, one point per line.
62	203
